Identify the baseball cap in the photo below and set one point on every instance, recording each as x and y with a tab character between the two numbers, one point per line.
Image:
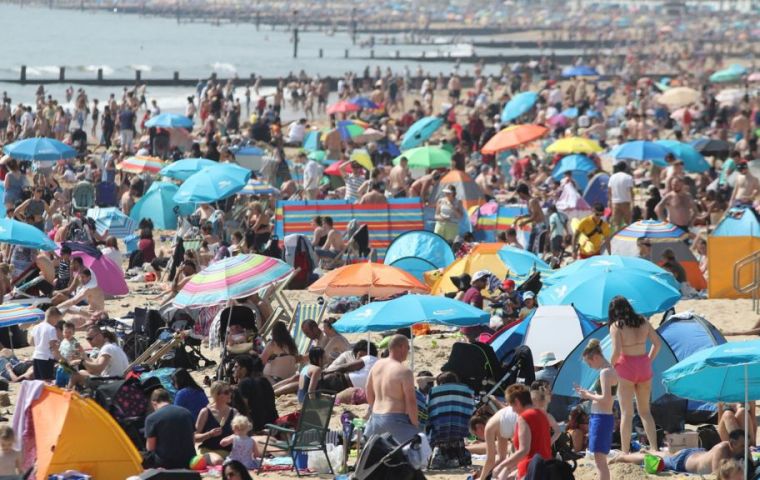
528	295
480	274
508	284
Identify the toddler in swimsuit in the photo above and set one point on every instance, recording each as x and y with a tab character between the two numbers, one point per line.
244	448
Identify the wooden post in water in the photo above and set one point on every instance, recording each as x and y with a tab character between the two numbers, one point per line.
353	26
23	73
138	76
62	74
295	42
345	54
321	53
176	77
100	74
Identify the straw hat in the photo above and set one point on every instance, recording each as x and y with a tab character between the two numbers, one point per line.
547	359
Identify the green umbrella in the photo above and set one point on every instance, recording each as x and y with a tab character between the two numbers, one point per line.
426	157
725	76
317	155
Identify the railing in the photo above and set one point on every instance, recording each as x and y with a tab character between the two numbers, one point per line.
753	285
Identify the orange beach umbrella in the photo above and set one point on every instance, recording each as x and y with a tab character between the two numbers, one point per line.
374	279
512	137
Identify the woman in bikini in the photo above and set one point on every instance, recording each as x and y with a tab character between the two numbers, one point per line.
633	364
280	355
320	232
215	423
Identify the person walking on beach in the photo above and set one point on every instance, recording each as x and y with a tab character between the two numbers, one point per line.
602	421
390	394
630	332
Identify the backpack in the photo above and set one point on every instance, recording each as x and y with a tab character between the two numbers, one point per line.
553	469
708	436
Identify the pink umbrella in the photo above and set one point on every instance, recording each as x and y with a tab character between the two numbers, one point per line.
343	107
754	77
110	276
678	114
558	120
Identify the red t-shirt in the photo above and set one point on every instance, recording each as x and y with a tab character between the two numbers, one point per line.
540	438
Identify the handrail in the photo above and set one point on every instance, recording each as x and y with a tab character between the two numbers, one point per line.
753	286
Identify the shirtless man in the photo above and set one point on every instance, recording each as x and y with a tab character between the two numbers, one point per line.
390	394
747	187
398	178
374	196
423	187
697	461
497	432
89	292
487	181
679	205
535	216
334	243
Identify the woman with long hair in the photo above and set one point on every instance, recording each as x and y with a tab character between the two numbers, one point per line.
630	332
189	394
280	355
234	470
215	423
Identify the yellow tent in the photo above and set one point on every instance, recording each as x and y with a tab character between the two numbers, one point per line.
482	257
736	237
75	433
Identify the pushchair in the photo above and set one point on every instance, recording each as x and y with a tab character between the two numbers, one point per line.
383	457
476	365
127	403
245	318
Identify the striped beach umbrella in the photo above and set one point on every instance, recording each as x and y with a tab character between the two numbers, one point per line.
257	187
113	221
141	165
15	314
235	277
654	230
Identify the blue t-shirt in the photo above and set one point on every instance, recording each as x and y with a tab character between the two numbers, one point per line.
191	399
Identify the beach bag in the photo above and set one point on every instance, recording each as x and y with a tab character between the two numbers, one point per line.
553	469
708	436
653	464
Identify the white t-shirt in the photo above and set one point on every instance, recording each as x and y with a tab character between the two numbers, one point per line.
620	185
312	173
507	422
359	377
114	255
118	362
296	132
42	334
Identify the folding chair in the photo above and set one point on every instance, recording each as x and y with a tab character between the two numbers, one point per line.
278	295
266	327
303	312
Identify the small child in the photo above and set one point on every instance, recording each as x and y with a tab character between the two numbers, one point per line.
69	349
10	459
244	448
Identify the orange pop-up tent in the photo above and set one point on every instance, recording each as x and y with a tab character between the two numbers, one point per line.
75	433
736	237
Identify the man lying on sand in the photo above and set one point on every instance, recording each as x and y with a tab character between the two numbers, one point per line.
694	460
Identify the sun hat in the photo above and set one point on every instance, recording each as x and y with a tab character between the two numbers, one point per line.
480	274
547	359
449	189
528	295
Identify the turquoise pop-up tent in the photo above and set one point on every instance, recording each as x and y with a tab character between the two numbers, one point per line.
419	251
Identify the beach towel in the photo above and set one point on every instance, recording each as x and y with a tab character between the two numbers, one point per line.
450	407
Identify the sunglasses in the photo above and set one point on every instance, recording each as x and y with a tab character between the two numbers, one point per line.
225	392
89	339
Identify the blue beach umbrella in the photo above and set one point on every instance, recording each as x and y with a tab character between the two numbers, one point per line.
311	141
159	206
257	187
420	131
724	373
521	262
213	183
25	235
408	310
693	161
641	151
605	262
183	169
518	106
386	146
573	163
364	102
169	120
113	221
40	150
571	112
15	314
579	71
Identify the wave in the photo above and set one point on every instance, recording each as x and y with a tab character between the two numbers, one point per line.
220	67
38	71
107	69
142	68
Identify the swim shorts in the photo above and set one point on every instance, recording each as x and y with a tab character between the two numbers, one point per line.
677	462
600	429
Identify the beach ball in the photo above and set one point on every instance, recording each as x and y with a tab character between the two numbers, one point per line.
198	463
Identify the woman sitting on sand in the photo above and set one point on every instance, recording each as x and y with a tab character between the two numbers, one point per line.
215	423
280	355
633	363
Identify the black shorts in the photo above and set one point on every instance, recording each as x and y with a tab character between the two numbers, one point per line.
44	369
335	382
455	93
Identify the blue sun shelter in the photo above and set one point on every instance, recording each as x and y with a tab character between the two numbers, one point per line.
669	411
688	333
419	251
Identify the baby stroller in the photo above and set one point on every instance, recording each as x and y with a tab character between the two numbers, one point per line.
127	403
383	457
243	317
518	368
476	365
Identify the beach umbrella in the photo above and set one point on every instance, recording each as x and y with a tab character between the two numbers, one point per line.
731	96
169	120
426	157
654	230
317	155
693	161
369	135
731	74
183	169
213	183
334	169
40	149
420	131
521	262
362	157
579	71
591	290
349	130
342	106
711	147
571	112
558	120
573	163
19	233
113	221
519	105
386	146
374	279
109	276
680	113
678	97
574	145
17	314
754	77
723	373
513	137
141	165
257	187
408	310
235	277
159	206
364	103
642	151
606	262
311	140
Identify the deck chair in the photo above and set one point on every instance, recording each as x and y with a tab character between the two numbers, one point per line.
303	312
83	196
266	327
277	293
311	433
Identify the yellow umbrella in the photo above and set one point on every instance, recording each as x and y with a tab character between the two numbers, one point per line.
362	158
574	145
678	97
483	256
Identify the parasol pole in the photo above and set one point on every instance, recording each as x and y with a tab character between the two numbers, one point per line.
226	333
746	418
411	345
